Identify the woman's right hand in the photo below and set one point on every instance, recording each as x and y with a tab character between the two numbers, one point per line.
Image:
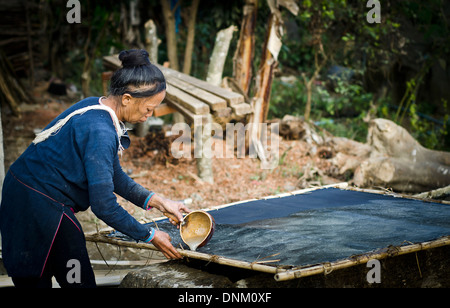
162	241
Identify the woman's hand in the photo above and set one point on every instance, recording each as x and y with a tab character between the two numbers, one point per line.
161	240
170	207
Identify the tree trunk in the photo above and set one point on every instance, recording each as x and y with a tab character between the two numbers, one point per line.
11	90
219	55
169	20
190	37
243	57
151	45
172	50
89	53
309	83
151	40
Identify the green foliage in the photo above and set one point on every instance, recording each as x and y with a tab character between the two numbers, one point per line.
340	111
287	98
428	133
340	27
336	27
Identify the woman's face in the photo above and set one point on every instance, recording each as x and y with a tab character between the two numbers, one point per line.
137	110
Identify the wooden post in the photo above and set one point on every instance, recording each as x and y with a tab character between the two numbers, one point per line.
243	57
219	55
260	102
269	61
203	154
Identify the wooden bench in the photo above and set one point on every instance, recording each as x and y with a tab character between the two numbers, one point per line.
192	97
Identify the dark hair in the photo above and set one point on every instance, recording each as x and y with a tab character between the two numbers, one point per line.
136	71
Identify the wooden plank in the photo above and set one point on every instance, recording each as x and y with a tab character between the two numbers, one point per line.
112	62
190	116
214	101
163	109
242	109
187	101
232	98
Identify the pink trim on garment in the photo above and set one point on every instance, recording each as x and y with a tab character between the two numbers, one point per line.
35	189
48	253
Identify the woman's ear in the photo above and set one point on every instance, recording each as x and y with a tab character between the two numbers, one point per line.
126	99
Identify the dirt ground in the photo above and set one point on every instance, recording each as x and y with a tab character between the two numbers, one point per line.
235	179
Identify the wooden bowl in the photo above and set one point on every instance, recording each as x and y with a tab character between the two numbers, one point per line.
197	229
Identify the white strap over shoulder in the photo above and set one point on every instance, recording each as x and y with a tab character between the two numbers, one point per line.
44	135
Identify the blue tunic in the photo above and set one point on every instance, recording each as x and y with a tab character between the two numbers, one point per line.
75	168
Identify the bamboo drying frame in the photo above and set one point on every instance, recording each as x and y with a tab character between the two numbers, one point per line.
284	273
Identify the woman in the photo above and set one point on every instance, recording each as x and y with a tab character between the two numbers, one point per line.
71	165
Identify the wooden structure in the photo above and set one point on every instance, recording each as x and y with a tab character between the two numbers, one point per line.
193	98
199	102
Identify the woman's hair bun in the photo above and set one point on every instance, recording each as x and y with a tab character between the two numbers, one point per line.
134	57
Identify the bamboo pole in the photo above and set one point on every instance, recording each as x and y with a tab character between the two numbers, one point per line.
190	254
327	267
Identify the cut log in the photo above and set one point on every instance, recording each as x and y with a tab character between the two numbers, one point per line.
399	162
387	138
391	157
401	174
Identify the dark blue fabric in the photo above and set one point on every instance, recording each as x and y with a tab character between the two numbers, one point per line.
75	168
69	244
281	207
324	225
